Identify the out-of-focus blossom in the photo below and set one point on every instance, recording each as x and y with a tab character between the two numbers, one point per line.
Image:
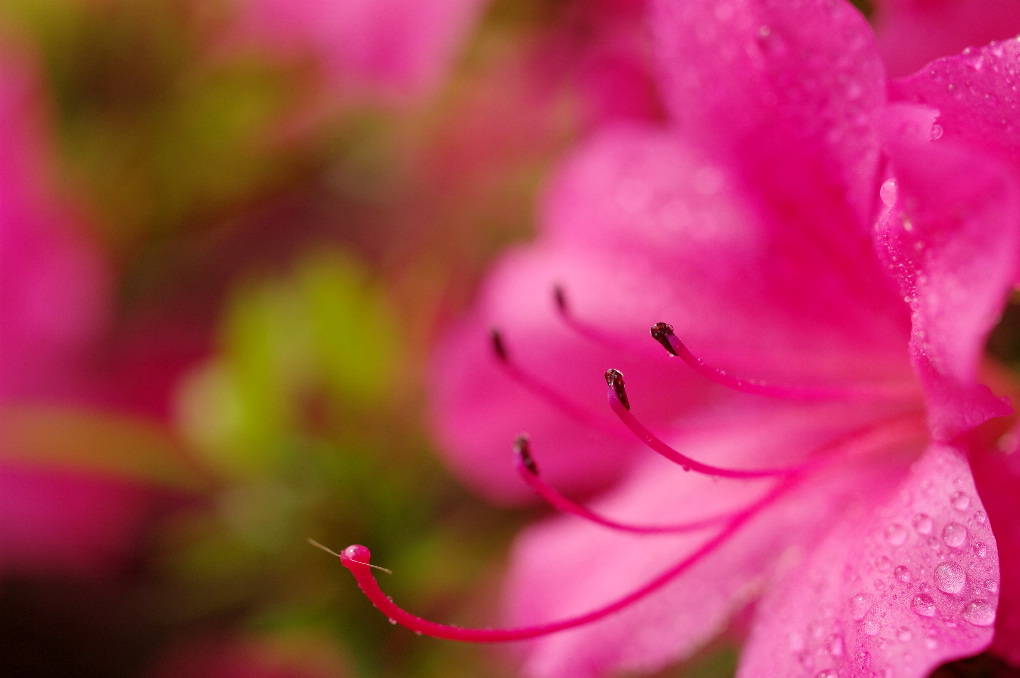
52	303
844	251
913	32
397	48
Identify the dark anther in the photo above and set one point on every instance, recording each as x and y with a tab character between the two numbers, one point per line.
498	347
615	380
560	297
523	451
661	332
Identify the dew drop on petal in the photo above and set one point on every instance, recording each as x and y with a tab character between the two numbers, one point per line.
950	578
859	606
980	549
954	535
883	564
902	573
922	523
992	585
979	613
960	501
888	192
923	604
980	517
895	534
936	131
870	627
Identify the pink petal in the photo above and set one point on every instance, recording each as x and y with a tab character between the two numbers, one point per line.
949	236
975	95
566	567
913	32
784	92
903	584
631	210
997	475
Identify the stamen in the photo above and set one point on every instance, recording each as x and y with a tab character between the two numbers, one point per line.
620	404
543	391
356	559
663	333
582	328
528	470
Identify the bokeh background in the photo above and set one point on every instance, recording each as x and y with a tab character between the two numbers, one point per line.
231	232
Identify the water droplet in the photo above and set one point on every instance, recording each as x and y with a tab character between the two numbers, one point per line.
981	517
902	573
922	523
936	131
859	606
895	534
883	564
979	613
960	501
392	621
870	627
904	634
835	645
923	604
992	585
980	549
954	534
888	192
950	578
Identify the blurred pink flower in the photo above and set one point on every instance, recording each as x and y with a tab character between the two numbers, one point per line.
840	243
396	48
53	288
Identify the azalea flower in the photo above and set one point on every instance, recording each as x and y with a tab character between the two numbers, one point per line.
819	253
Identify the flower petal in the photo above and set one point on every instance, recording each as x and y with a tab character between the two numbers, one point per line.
997	475
785	92
640	229
950	236
913	32
976	95
902	585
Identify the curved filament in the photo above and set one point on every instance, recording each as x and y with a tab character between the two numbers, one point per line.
528	470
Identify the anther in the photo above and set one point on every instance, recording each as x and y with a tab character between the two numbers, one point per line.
560	297
498	346
523	451
615	380
661	332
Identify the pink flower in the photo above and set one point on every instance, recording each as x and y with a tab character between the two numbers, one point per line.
53	518
834	248
397	48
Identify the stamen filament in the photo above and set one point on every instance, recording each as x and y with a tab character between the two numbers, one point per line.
620	404
356	559
582	328
663	333
544	391
528	470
